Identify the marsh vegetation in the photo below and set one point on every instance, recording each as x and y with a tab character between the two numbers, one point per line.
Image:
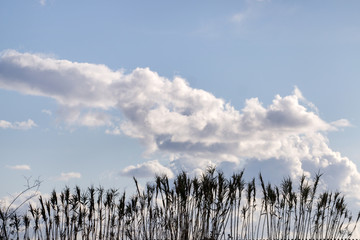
210	206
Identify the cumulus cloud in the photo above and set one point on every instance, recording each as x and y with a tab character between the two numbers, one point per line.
190	126
19	167
68	176
24	125
147	169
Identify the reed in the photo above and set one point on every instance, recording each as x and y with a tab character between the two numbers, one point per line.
209	206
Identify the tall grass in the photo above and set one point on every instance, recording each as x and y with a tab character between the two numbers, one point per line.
207	207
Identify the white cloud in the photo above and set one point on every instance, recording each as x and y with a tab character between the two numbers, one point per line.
71	84
190	126
24	125
147	169
20	167
42	2
341	123
302	99
5	124
68	176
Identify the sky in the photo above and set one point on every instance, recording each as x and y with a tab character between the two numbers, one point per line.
96	92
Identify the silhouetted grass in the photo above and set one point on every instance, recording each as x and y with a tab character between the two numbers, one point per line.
207	207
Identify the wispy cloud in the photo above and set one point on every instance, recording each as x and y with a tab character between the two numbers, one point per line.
19	167
341	123
46	111
113	131
68	176
250	11
238	17
190	126
24	125
42	2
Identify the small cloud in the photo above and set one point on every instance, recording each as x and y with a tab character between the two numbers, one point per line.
20	167
43	2
24	125
68	176
5	124
147	169
46	111
341	123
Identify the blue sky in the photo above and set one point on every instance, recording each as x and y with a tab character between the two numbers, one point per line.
93	92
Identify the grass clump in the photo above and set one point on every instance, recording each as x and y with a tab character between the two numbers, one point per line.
207	207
